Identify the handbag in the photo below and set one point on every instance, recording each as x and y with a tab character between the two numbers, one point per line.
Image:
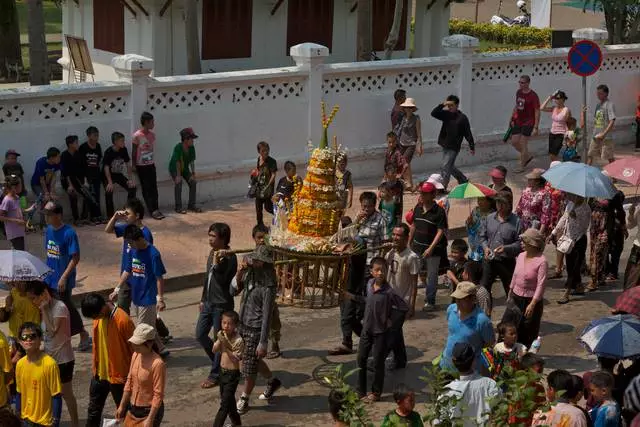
565	244
253	189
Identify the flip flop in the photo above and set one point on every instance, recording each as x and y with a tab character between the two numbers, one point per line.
340	351
208	383
273	355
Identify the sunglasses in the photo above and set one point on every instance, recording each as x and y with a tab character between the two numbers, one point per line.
28	337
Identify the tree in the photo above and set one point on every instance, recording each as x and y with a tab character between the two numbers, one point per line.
194	65
10	52
364	31
622	19
38	56
394	33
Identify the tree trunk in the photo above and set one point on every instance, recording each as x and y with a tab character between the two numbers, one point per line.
194	64
38	56
412	29
10	52
364	31
394	33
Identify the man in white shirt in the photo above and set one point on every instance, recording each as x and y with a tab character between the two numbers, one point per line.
474	392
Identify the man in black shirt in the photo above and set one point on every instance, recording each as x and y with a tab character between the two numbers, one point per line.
72	177
91	156
116	164
217	296
455	126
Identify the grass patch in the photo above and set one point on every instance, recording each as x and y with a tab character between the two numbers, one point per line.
25	53
52	17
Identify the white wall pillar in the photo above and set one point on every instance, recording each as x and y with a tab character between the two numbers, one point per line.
461	47
136	70
310	57
600	37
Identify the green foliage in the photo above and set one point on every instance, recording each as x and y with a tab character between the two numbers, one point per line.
519	36
442	408
354	412
519	398
52	17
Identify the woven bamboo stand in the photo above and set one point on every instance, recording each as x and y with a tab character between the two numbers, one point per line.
310	280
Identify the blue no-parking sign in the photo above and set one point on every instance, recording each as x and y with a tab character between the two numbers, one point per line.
585	57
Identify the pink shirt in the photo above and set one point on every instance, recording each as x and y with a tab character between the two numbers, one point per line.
529	277
559	121
11	208
146	142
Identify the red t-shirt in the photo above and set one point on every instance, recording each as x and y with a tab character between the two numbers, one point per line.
526	106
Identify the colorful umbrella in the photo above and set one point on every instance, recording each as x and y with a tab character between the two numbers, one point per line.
616	337
580	179
21	266
626	169
629	301
471	191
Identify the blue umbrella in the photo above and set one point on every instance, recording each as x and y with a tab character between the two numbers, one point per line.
615	337
580	179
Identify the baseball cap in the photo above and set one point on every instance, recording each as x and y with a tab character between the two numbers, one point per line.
462	353
464	289
427	187
142	334
53	207
11	151
188	133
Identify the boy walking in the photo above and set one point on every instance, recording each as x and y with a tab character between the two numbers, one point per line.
380	303
63	255
182	167
606	413
230	345
603	122
133	214
115	166
144	273
217	295
91	156
258	278
142	147
39	392
393	156
112	328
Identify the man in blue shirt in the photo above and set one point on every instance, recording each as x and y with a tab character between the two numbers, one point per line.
144	273
63	255
43	180
133	214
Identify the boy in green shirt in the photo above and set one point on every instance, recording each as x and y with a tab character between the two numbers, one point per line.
182	167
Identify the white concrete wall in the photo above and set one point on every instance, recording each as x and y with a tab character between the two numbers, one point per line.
233	111
163	38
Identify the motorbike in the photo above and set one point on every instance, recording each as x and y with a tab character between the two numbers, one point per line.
523	20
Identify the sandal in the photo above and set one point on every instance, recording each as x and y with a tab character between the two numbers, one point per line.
209	383
273	354
556	274
195	209
563	300
341	350
371	398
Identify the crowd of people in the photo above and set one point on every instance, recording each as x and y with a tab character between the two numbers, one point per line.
506	241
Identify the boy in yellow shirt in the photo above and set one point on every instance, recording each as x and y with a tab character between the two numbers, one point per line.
39	391
5	371
18	308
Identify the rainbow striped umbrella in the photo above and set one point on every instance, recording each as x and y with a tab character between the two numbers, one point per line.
471	191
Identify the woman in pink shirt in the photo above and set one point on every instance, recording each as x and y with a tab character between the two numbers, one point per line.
559	115
527	286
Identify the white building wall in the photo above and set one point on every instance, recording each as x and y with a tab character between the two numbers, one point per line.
163	38
233	111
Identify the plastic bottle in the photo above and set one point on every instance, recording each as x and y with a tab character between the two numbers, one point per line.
535	345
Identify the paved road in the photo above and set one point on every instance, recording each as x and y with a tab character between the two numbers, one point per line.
307	334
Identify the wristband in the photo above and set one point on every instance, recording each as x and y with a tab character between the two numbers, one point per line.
159	298
117	290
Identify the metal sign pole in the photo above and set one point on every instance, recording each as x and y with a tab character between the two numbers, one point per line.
583	113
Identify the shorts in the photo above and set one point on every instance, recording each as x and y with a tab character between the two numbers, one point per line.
407	151
146	314
66	371
555	143
251	338
603	148
523	130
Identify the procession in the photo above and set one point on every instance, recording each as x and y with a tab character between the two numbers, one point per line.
387	255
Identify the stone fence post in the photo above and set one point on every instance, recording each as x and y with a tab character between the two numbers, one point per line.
600	37
461	47
310	57
136	70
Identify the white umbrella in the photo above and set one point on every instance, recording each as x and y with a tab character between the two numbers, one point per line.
21	266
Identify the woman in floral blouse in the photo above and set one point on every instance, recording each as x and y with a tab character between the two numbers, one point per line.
477	215
558	204
535	203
